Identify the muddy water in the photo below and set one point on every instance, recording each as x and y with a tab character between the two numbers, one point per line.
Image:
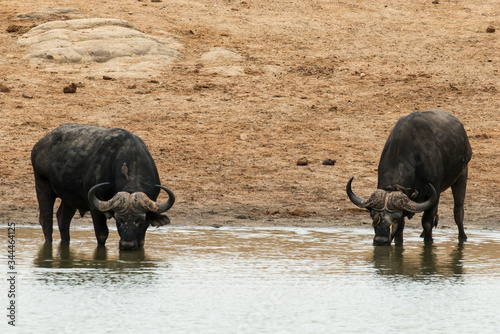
258	280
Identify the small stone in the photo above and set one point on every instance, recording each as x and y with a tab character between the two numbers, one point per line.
13	28
302	162
243	136
4	89
27	96
71	89
490	29
329	162
105	77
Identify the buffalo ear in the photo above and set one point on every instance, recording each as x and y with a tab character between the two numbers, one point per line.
157	219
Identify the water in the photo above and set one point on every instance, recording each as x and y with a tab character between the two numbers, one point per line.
256	280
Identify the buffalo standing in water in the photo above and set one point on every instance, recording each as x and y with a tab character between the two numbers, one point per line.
426	151
77	162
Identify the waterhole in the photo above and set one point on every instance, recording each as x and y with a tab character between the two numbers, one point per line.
257	280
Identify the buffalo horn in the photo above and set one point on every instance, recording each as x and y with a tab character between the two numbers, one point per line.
145	203
168	204
358	201
415	207
119	200
124	200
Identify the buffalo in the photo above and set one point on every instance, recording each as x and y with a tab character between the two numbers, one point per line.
426	153
108	172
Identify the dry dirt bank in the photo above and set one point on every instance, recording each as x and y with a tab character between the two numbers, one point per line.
316	79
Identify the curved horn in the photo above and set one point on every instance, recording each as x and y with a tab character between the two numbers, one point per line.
415	207
118	200
360	202
145	203
429	203
94	202
168	204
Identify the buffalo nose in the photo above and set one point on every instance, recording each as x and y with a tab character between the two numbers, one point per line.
129	245
378	240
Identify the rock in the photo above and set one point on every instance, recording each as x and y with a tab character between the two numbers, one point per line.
27	95
490	29
221	54
15	28
329	162
4	89
92	40
302	162
53	14
109	45
71	89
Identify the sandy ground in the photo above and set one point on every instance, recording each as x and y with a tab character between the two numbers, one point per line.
316	79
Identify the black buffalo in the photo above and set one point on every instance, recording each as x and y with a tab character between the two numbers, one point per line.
426	151
81	163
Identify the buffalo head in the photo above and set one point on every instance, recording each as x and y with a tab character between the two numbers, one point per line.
131	212
388	209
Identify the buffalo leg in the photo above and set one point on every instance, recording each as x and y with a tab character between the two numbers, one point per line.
100	227
458	189
398	237
64	215
429	219
46	198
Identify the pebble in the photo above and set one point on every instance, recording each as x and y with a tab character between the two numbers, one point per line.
329	162
302	162
4	89
71	89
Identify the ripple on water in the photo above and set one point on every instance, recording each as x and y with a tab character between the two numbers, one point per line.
265	280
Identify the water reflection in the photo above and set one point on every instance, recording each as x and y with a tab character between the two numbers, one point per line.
431	262
259	280
101	265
